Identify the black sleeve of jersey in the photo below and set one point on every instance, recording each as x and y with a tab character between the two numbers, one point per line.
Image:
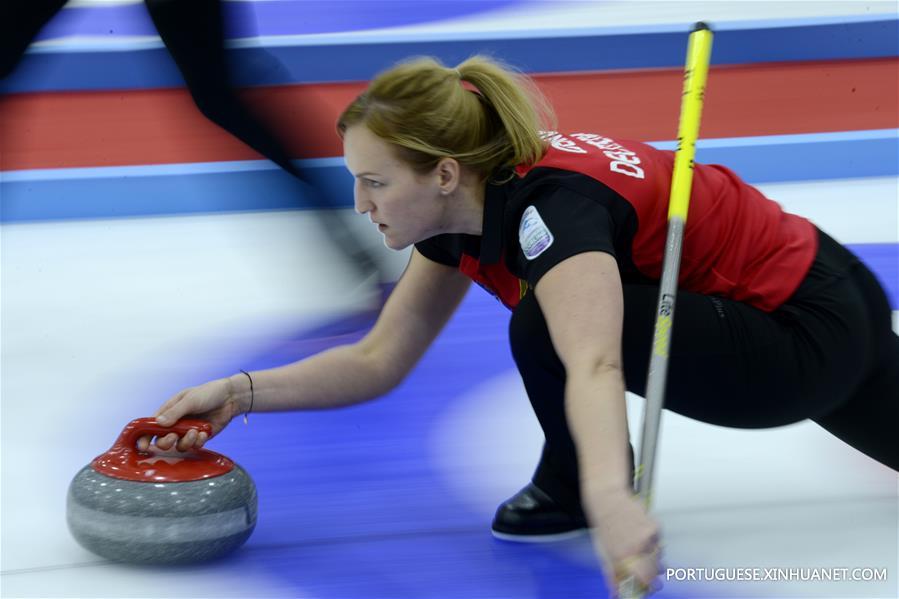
577	224
432	250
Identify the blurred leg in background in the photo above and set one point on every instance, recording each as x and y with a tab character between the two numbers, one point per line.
20	22
193	33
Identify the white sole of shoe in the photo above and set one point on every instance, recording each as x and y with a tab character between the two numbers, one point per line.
561	536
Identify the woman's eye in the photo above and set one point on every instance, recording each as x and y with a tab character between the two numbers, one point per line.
373	183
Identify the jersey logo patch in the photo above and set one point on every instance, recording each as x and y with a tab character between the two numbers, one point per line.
534	236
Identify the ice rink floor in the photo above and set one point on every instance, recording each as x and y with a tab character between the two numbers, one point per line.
104	319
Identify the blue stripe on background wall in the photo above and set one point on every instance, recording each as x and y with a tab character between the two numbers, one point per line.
111	192
302	61
269	17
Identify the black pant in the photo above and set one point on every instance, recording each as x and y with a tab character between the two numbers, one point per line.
829	354
193	33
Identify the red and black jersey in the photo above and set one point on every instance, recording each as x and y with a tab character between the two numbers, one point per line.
592	193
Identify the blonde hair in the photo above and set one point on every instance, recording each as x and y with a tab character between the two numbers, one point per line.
424	110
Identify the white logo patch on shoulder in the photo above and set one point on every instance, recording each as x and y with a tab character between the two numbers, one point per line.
533	234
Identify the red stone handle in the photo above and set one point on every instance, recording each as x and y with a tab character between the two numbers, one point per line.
125	461
139	427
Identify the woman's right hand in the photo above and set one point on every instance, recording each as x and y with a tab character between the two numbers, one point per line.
626	539
213	401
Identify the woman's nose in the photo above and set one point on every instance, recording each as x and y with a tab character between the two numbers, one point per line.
360	203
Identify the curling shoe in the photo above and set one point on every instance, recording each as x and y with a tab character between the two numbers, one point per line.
532	516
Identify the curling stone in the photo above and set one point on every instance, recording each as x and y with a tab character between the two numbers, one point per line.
161	507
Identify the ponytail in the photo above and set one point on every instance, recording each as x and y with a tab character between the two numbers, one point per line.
481	113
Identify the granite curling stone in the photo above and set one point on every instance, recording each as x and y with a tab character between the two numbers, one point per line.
161	507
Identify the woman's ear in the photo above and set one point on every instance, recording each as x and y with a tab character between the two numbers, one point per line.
448	174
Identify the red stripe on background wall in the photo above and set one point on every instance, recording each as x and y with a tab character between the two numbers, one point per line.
76	129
